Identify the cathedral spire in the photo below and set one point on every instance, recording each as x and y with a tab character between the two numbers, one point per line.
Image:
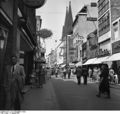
70	19
67	28
64	33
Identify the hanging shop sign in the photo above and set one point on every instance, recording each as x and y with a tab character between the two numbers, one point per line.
115	47
34	3
91	19
93	4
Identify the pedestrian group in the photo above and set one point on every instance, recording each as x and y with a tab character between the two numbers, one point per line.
14	79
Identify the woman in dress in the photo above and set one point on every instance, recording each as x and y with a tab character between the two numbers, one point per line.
104	86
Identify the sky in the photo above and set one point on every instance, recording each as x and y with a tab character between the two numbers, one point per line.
53	16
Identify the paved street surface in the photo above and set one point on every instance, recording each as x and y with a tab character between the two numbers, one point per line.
65	94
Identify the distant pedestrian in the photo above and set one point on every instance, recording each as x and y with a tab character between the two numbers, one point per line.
85	74
95	73
56	72
90	73
40	74
104	86
64	73
14	80
69	72
78	73
48	73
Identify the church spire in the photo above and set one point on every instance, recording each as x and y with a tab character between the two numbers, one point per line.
67	28
64	33
70	19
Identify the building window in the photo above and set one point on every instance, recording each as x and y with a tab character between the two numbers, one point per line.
80	53
104	24
115	31
42	54
103	6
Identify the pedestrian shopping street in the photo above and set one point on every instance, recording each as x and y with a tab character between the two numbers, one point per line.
46	46
65	94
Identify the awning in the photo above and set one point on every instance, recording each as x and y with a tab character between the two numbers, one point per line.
114	57
90	61
78	64
101	60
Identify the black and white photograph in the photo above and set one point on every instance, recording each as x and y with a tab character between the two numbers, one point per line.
59	55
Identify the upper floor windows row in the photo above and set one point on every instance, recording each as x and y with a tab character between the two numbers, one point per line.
104	24
103	6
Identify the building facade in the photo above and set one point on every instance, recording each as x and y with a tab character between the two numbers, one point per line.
21	32
40	49
115	34
52	59
18	30
59	54
66	37
92	45
108	27
104	26
84	23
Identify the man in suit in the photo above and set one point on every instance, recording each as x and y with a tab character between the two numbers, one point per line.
14	79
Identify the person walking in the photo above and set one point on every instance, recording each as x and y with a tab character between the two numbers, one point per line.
41	76
85	74
104	81
78	73
69	72
64	73
95	73
14	80
56	72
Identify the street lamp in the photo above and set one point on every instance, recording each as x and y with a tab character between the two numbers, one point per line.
1	42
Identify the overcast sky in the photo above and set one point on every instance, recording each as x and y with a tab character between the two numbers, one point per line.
53	17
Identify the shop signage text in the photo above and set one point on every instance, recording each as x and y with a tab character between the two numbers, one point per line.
102	53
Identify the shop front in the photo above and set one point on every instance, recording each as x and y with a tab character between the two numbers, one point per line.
115	57
27	55
115	52
103	53
102	56
92	47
